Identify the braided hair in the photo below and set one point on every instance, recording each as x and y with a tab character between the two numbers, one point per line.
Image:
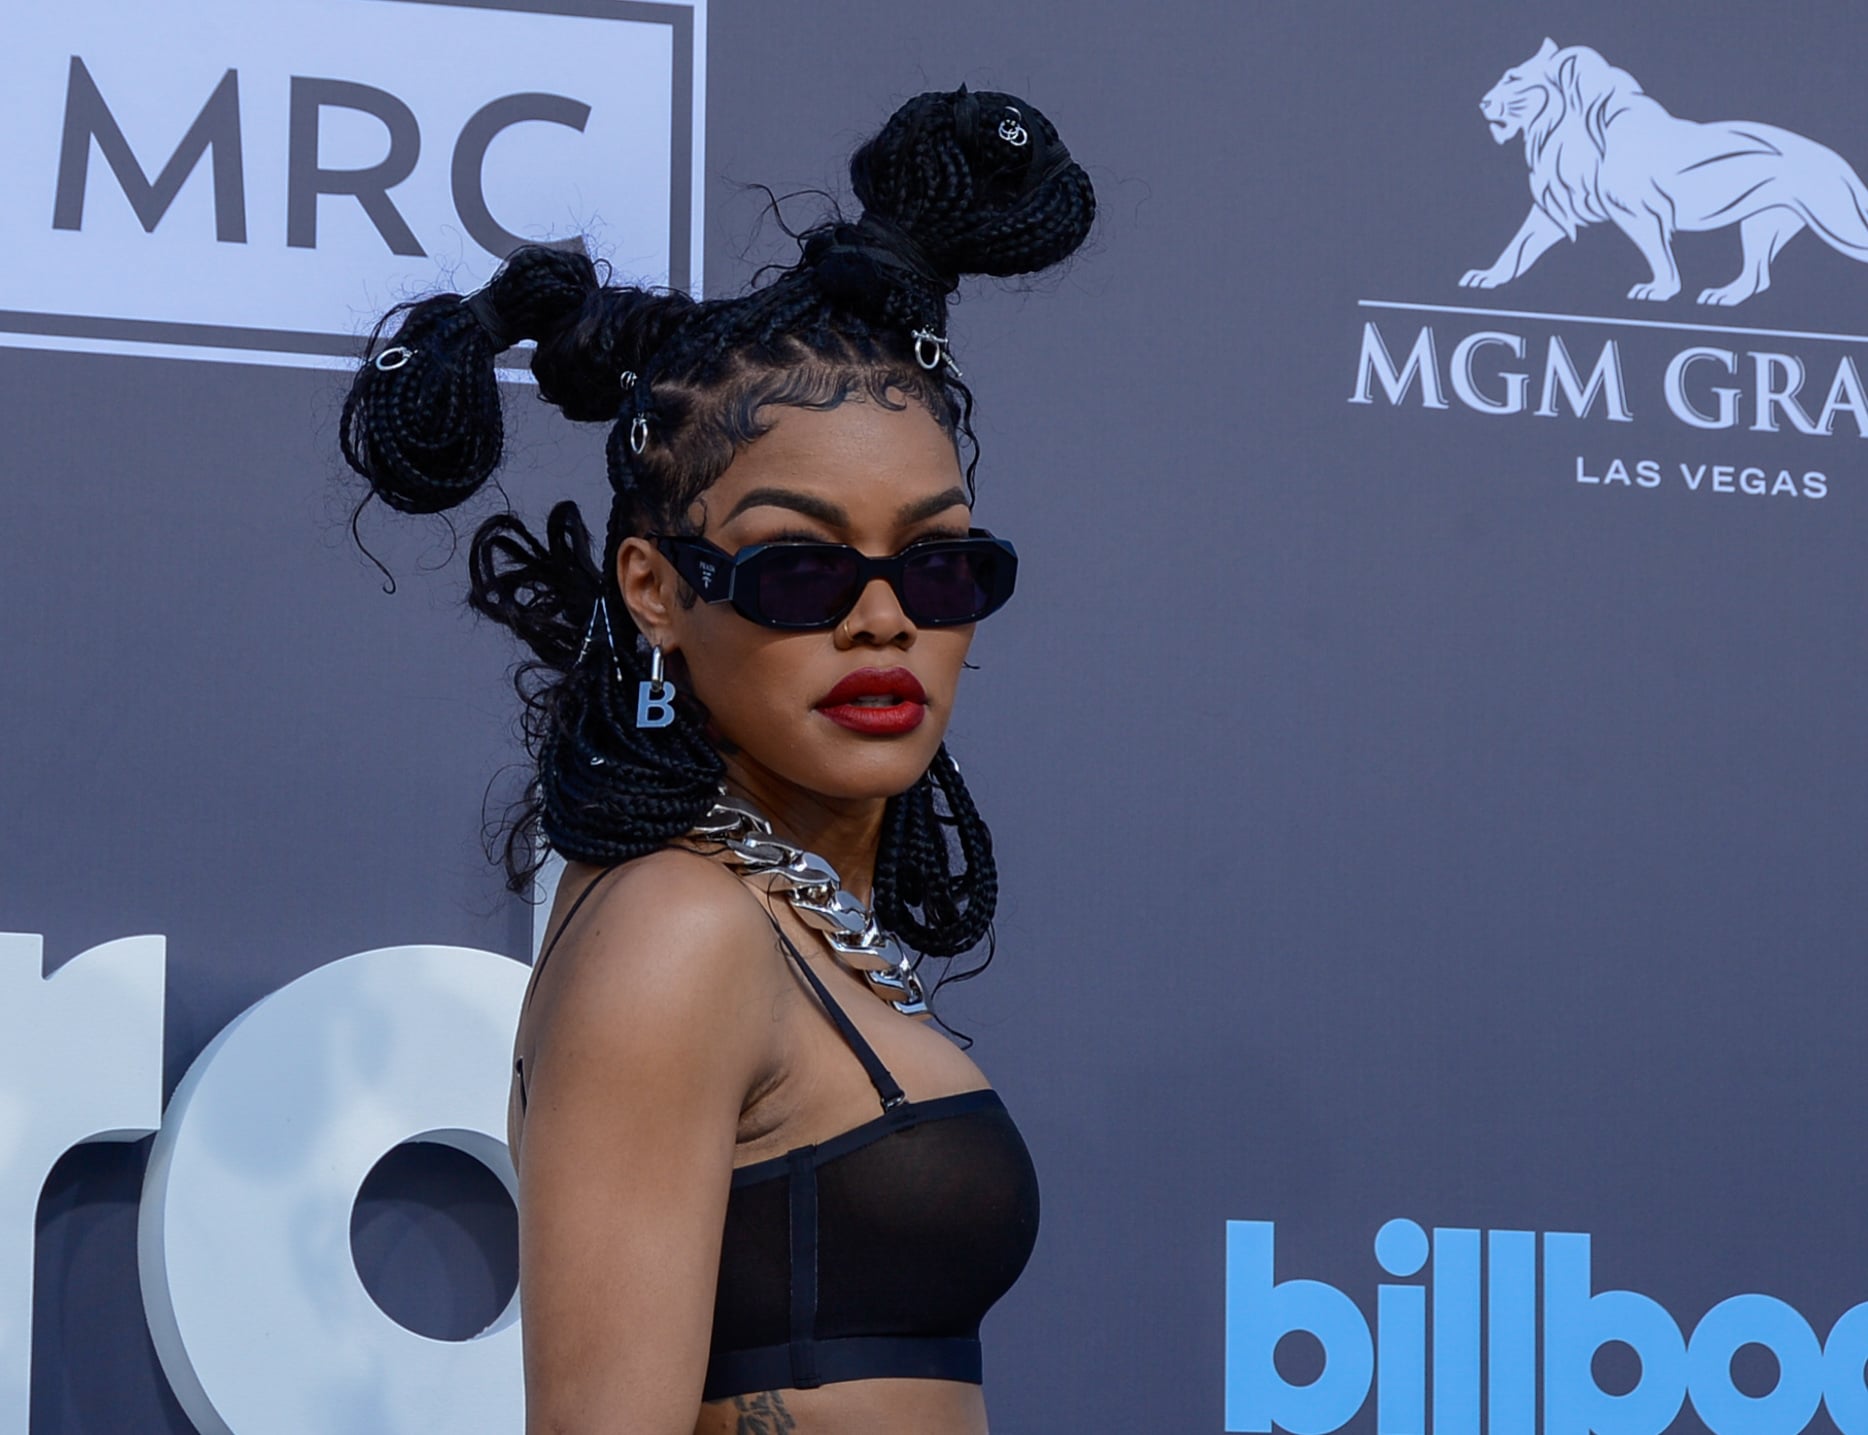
954	184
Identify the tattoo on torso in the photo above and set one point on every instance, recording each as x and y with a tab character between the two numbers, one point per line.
762	1414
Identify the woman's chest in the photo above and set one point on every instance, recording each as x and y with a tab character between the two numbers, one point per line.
820	1087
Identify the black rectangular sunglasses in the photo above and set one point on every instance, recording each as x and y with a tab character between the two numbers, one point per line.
940	582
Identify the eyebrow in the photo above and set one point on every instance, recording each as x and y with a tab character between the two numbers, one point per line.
826	512
913	513
807	504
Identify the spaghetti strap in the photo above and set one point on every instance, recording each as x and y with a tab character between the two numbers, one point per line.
518	1063
888	1090
582	897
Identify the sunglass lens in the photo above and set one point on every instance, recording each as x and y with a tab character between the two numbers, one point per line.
806	585
951	585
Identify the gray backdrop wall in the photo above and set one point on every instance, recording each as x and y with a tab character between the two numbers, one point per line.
1399	817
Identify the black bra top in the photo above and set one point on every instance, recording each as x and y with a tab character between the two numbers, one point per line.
875	1253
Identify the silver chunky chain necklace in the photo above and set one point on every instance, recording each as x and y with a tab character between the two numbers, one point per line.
813	890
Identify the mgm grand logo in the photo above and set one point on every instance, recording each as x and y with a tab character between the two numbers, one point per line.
1599	151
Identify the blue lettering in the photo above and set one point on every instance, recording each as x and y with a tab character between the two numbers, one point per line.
1845	1379
1455	1332
1754	1320
1511	1332
1576	1322
1401	1368
1259	1312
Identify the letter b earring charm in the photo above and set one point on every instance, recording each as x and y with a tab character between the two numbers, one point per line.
655	697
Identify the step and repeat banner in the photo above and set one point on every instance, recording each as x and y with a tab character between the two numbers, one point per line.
1425	755
252	183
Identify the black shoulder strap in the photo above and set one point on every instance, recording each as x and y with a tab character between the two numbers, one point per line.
582	897
888	1090
518	1064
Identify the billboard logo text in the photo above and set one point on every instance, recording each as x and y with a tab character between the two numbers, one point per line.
1471	1298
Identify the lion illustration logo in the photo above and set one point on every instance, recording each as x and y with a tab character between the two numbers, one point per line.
1598	149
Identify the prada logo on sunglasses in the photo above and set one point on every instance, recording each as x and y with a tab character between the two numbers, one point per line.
707	571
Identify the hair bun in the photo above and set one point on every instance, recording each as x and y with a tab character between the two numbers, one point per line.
539	289
422	420
580	363
980	183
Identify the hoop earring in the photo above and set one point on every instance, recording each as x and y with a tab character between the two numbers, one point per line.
655	696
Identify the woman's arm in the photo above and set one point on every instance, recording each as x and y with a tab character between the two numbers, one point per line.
649	1028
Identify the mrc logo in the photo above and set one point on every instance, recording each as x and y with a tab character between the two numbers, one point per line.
1493	1340
259	182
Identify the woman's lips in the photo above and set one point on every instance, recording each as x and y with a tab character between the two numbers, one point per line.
879	701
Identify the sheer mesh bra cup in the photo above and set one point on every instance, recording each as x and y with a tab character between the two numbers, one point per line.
876	1253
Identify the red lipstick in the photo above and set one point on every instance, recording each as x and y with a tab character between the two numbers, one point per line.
882	702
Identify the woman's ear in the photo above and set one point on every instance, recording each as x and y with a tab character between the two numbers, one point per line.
647	582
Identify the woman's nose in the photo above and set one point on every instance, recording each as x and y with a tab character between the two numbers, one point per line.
877	618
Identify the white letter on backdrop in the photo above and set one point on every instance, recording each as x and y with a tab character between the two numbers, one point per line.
83	1051
257	1312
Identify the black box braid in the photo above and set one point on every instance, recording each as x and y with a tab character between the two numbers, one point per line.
954	184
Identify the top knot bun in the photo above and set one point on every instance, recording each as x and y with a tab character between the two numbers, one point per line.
954	184
979	182
538	290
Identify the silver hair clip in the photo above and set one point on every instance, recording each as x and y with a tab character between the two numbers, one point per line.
931	349
1012	127
631	384
392	359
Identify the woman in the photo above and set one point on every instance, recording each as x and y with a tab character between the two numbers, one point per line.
755	1193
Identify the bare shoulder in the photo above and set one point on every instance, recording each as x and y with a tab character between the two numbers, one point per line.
671	947
649	1028
672	917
